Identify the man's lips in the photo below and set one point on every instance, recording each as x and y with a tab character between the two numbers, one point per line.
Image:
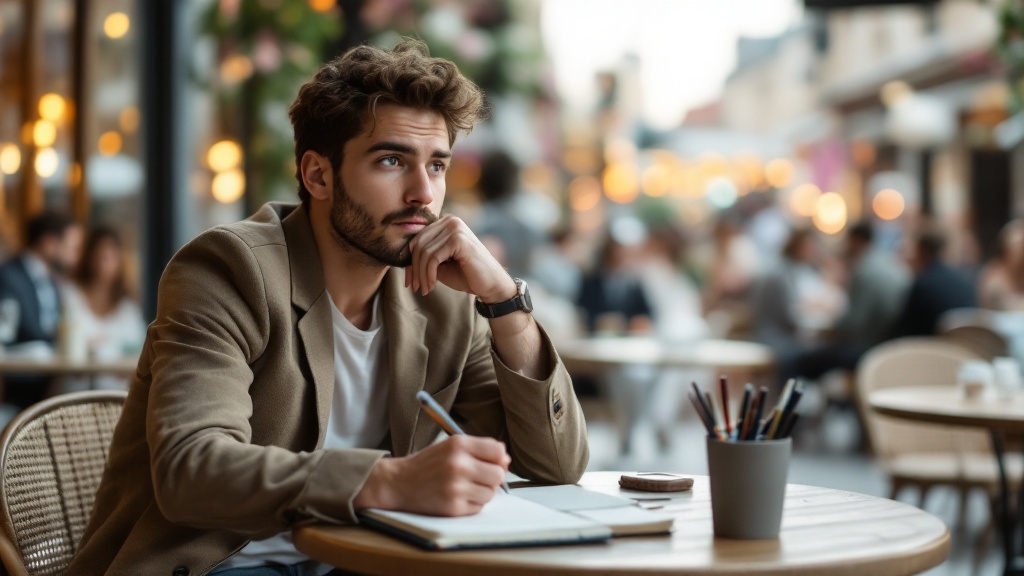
412	225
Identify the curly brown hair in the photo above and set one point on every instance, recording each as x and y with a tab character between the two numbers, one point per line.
336	104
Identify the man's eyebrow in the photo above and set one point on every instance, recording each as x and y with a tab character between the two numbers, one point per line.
403	149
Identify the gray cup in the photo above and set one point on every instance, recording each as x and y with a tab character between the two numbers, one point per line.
748	485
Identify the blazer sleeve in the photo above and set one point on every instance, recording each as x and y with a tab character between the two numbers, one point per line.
540	420
212	324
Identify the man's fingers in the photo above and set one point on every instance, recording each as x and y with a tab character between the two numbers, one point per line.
485	449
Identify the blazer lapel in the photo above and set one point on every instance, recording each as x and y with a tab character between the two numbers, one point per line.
310	299
407	360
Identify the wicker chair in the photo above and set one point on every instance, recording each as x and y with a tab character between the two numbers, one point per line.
926	455
52	456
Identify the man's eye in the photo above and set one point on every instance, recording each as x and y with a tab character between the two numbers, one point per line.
440	167
389	161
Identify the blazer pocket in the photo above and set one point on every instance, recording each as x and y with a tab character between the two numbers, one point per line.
426	429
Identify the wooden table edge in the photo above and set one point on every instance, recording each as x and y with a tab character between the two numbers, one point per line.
311	541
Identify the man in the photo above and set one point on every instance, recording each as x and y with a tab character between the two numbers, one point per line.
937	288
878	287
287	350
29	298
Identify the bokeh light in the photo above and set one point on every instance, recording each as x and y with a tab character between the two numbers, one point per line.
224	155
779	172
10	158
128	119
894	92
656	180
722	192
228	186
804	200
110	143
888	204
44	133
236	69
47	162
584	193
51	107
116	25
322	5
831	214
621	182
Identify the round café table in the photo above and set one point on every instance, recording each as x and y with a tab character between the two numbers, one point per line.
58	366
598	355
591	354
824	531
1001	417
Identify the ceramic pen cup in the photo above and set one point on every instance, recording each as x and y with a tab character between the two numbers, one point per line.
748	485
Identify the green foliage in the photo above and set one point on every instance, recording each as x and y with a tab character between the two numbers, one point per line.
1010	48
283	40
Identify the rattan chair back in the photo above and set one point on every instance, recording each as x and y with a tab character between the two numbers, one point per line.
52	457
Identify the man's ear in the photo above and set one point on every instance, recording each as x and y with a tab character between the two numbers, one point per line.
317	175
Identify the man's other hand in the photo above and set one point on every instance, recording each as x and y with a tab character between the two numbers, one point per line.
456	477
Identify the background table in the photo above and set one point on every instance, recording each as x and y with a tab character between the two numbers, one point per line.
948	406
58	366
824	531
744	361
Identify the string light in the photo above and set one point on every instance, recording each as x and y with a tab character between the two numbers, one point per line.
44	133
51	107
10	158
228	186
830	216
224	155
47	162
110	143
888	204
116	25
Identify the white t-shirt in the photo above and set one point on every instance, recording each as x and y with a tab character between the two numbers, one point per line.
118	334
358	418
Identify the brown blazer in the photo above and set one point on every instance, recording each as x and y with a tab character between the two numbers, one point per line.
220	435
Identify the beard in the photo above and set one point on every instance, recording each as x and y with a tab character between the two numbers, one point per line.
354	226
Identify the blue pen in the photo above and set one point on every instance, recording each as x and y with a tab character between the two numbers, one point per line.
441	416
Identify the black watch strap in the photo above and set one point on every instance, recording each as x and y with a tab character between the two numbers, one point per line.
520	302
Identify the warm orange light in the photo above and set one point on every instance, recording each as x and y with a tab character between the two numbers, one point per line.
322	5
51	107
44	133
580	160
224	155
779	172
109	143
128	119
228	186
750	170
619	150
686	182
621	182
10	158
235	69
830	216
804	200
888	204
894	92
656	180
47	162
116	25
712	165
538	176
584	193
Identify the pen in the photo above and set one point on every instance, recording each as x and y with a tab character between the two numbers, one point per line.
431	407
724	387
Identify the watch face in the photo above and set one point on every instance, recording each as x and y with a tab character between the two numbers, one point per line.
525	302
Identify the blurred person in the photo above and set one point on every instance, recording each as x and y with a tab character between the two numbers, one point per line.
936	288
30	306
735	264
557	264
500	217
877	289
768	227
792	302
672	296
1001	281
98	304
611	296
287	350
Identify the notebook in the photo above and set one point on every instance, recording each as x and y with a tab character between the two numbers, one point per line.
506	521
548	515
622	515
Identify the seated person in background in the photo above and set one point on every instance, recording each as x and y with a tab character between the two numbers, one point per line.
878	287
1001	281
98	309
287	349
794	302
611	296
29	296
936	288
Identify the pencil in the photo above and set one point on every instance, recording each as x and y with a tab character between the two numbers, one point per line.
741	422
724	387
441	416
702	415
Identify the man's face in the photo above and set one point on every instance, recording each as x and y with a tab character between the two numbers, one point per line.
62	253
391	183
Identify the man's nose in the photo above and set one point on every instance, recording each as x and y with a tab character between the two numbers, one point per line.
419	190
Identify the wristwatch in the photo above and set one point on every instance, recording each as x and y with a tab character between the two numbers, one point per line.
520	302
